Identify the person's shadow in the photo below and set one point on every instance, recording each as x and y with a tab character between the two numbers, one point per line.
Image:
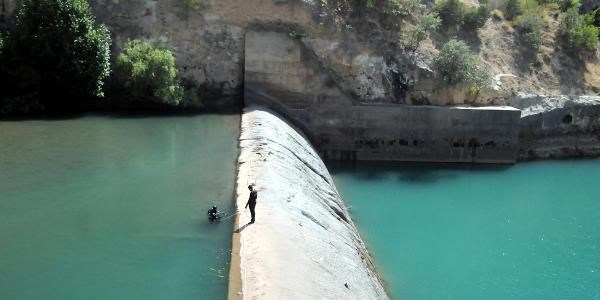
242	228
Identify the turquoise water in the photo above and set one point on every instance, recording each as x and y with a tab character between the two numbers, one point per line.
115	208
530	231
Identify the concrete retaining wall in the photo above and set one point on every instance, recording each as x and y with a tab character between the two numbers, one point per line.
568	129
281	74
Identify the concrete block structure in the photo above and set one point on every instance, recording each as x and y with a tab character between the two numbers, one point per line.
285	76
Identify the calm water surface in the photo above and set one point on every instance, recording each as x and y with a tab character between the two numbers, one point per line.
530	231
115	208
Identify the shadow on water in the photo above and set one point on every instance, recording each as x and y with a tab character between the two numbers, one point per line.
63	116
116	114
173	113
413	172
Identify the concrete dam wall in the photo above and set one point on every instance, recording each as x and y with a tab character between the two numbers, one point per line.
303	244
557	127
282	74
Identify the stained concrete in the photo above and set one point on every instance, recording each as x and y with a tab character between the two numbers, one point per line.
282	74
558	127
303	244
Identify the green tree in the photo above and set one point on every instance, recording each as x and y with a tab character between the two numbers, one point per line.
475	18
595	15
58	53
530	26
456	65
148	73
513	9
568	4
416	33
577	32
451	12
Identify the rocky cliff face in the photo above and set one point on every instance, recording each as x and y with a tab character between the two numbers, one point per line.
360	46
303	244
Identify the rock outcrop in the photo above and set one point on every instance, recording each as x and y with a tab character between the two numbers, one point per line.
558	126
304	244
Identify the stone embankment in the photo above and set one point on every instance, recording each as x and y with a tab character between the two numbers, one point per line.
303	244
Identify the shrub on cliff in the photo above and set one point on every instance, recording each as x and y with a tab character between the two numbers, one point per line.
595	17
451	12
194	6
457	65
568	4
414	34
578	32
475	18
531	29
513	9
56	54
147	72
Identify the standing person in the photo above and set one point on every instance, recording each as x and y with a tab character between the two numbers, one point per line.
251	202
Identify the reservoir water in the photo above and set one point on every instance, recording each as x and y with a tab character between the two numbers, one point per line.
528	231
115	208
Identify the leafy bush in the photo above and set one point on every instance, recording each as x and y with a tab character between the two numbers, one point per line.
404	7
578	32
530	26
475	18
56	52
148	73
513	9
568	4
451	12
456	64
585	37
595	16
416	33
194	5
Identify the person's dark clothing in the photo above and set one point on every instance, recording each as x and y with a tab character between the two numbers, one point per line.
213	214
252	203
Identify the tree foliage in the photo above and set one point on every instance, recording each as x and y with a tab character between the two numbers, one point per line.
531	28
191	6
456	65
57	53
148	72
451	12
578	32
568	4
416	33
475	18
513	9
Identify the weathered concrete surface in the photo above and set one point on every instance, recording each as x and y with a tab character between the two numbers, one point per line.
558	126
303	244
282	74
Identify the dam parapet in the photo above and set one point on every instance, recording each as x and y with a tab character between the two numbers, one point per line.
303	244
